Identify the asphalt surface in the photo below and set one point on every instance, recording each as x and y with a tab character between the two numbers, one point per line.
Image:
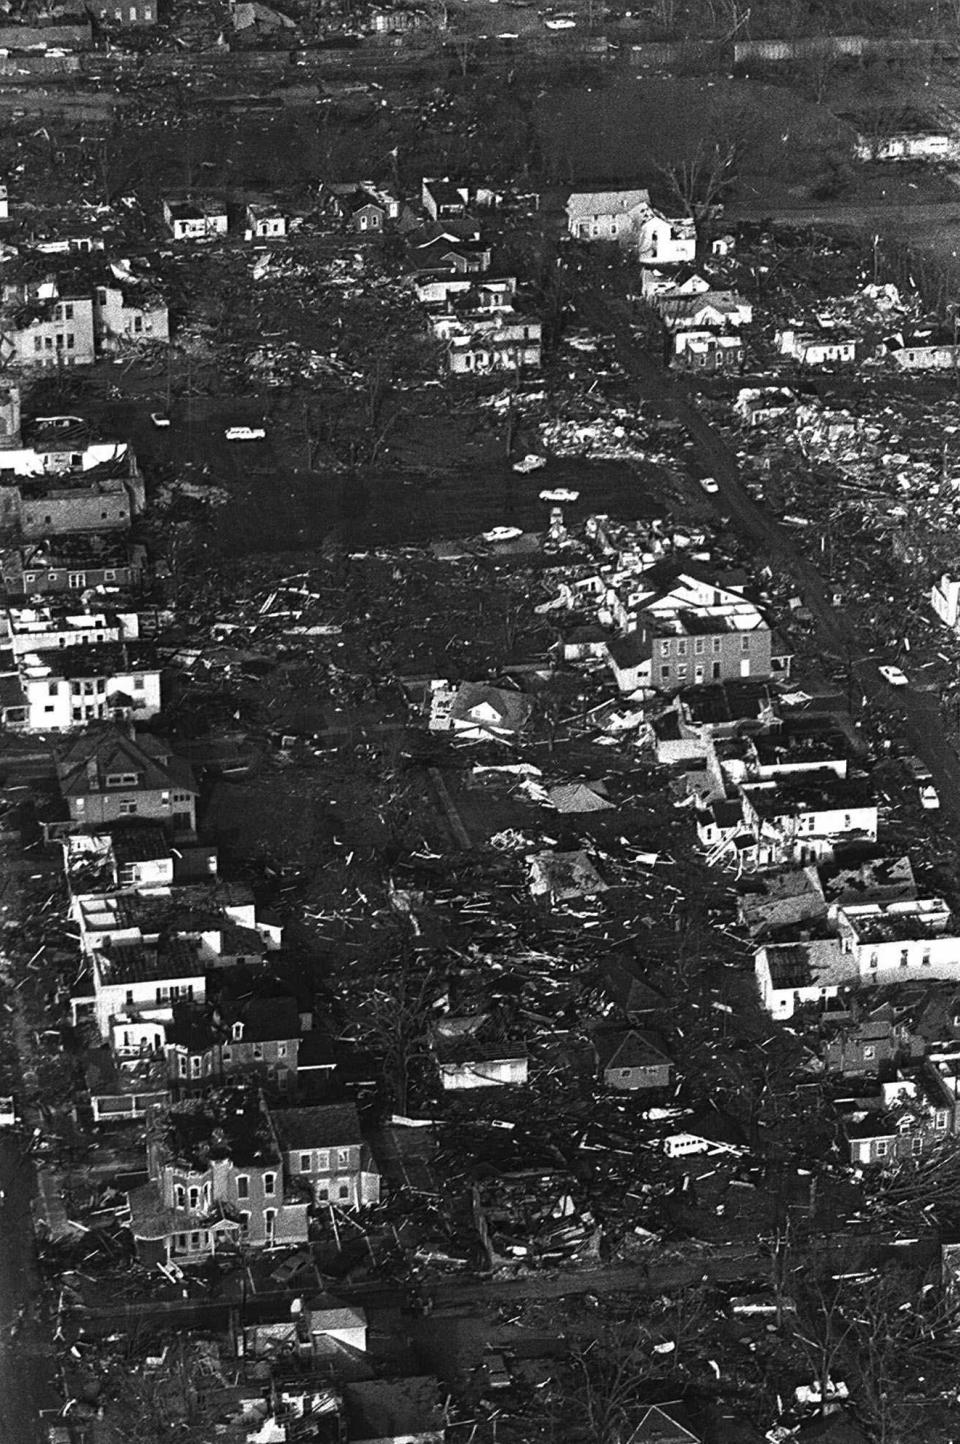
925	724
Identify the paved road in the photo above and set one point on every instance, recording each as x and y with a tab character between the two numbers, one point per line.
837	634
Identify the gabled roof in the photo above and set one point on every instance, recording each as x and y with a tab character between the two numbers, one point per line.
328	1125
84	763
600	203
661	1425
619	1048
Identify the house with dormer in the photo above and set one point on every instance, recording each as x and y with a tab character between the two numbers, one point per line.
108	775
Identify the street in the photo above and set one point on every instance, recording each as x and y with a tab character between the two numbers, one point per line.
838	636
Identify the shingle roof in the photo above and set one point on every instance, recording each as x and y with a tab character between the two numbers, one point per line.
84	763
328	1125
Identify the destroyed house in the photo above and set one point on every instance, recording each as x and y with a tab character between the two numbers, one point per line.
797	975
923	353
665	240
124	1090
709	310
800	819
126	855
816	348
253	1040
363	208
900	1117
492	342
706	351
861	1044
128	312
768	901
48	331
37	629
109	776
688	627
134	987
901	941
69	687
264	221
215	1179
124	12
446	200
195	220
875	880
74	563
323	1148
445	255
476	710
628	1059
469	1057
220	916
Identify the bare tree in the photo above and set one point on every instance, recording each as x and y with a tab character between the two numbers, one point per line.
700	181
396	1021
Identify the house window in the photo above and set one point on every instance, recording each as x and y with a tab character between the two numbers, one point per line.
306	1159
344	1190
237	1032
269	1184
227	1055
194	1198
682	647
270	1224
664	674
258	1050
343	1157
943	1118
916	1144
869	1052
323	1195
925	959
243	1186
281	1050
873	960
121	779
127	807
323	1160
881	1148
244	1222
698	645
195	1066
717	643
182	1065
744	644
179	1196
682	672
665	649
904	957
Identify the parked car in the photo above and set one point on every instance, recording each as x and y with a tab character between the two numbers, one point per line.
929	797
709	484
159	418
893	675
245	433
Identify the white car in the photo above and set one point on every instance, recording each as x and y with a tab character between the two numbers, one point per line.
531	462
245	433
893	675
502	534
709	484
929	797
560	493
159	419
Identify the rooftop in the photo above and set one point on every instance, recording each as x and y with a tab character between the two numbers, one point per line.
327	1125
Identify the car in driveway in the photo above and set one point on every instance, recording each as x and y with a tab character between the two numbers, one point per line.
892	675
709	485
929	797
245	433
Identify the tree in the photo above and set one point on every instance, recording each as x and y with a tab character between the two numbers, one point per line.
396	1020
701	180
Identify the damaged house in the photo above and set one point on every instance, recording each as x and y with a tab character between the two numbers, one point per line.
215	1179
